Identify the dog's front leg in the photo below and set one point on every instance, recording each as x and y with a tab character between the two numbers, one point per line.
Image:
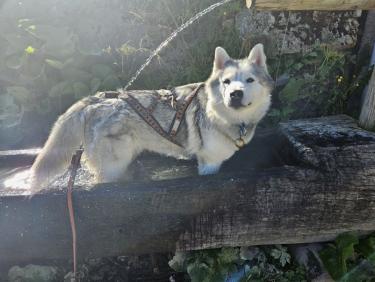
205	168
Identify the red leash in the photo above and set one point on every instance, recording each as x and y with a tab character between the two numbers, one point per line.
74	165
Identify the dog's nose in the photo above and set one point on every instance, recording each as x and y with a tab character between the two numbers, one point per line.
237	95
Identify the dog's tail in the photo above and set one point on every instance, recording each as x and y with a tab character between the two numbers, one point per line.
66	136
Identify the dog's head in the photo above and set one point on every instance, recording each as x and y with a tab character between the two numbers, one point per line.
240	89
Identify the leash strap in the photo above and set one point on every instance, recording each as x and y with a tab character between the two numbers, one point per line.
74	165
146	114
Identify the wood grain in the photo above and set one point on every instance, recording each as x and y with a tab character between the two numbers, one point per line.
325	5
367	116
324	185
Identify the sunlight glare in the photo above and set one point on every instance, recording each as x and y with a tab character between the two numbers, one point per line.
20	180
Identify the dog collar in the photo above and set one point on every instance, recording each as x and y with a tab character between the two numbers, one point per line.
242	130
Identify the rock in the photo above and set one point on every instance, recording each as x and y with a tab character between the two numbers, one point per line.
323	278
293	32
32	273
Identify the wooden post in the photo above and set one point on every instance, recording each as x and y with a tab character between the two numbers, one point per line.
367	117
327	5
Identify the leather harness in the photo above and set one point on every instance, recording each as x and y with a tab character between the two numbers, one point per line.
147	113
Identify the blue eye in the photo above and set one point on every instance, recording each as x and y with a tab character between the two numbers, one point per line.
226	81
250	80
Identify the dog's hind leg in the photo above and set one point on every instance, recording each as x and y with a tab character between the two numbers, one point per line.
110	157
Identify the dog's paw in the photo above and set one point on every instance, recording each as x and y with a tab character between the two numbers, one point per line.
205	169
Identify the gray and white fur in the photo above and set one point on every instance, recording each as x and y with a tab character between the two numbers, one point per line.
238	92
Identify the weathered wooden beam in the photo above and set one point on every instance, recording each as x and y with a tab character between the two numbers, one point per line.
18	157
367	116
325	187
327	5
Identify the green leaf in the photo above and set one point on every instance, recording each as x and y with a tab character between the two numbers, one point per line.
281	254
80	90
30	50
284	259
329	257
100	70
335	256
95	84
14	61
371	257
17	43
59	41
364	271
61	89
228	255
298	66
290	92
345	245
19	93
43	107
127	50
255	271
111	82
22	21
74	74
55	63
10	112
275	253
178	262
31	27
366	246
249	253
198	272
312	54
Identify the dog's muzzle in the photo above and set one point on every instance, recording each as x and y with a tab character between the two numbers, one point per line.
236	99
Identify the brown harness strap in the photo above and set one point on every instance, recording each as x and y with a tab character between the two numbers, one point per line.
181	112
154	103
146	113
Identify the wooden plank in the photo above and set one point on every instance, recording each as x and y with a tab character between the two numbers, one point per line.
368	36
327	187
367	116
12	158
326	5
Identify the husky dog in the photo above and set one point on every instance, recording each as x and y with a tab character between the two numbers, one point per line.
220	119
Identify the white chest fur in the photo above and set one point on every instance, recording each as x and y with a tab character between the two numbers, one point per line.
216	148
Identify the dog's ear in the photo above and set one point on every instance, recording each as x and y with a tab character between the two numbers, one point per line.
257	56
221	56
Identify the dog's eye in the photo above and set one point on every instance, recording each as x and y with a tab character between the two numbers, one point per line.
226	81
250	80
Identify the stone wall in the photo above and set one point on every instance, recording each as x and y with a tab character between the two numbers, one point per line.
79	47
294	32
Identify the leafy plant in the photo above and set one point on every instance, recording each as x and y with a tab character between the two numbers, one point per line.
273	263
47	54
280	253
269	263
349	258
209	265
320	83
336	255
50	60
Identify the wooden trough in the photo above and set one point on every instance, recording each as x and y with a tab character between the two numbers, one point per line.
306	181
